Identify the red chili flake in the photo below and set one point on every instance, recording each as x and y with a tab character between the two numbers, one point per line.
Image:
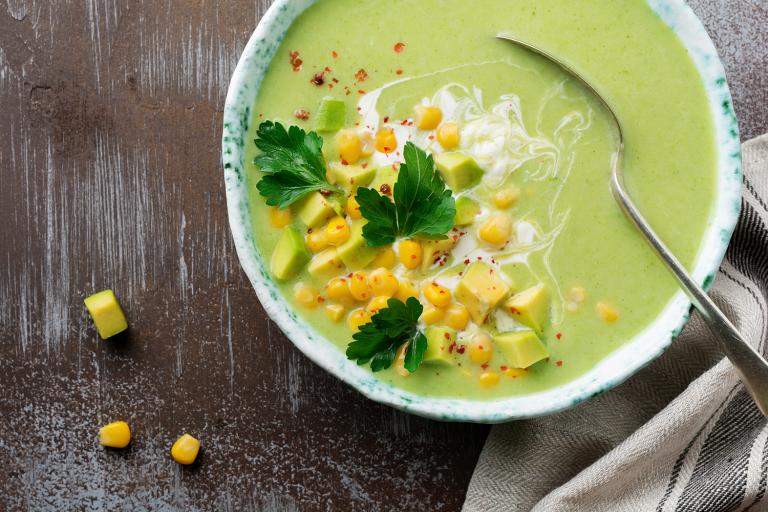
309	230
334	54
451	347
461	349
349	275
325	193
327	69
454	237
461	274
359	109
364	165
559	335
361	75
559	363
479	258
295	60
447	336
318	78
431	137
386	119
399	47
503	367
348	92
413	256
360	91
301	114
490	271
399	71
344	162
385	189
335	80
484	366
320	299
514	310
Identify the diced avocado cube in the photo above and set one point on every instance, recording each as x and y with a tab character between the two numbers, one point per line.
349	177
439	340
480	290
290	254
384	175
325	264
435	250
521	348
530	307
355	253
315	209
458	170
330	115
106	313
466	211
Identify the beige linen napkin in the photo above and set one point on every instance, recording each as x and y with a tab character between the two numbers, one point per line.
681	435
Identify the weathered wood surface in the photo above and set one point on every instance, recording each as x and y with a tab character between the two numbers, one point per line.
110	114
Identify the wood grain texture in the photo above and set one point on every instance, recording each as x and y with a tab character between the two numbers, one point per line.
110	114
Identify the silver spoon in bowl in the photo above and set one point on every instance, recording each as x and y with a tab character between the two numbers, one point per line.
749	363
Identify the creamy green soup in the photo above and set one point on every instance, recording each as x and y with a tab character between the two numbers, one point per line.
544	147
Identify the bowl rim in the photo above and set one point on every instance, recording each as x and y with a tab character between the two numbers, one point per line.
612	370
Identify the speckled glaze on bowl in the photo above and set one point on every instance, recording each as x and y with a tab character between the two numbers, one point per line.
612	370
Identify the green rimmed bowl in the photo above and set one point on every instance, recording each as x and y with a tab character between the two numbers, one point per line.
614	369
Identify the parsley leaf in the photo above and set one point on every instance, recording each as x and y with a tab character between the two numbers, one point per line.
377	341
292	161
423	206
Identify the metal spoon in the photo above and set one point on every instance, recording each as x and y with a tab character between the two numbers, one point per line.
750	364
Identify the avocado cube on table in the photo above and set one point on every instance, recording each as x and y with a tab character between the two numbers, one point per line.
521	348
290	254
330	115
466	211
355	253
530	307
106	313
480	290
315	209
349	177
458	170
325	264
439	341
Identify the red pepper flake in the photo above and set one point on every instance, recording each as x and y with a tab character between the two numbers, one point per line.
359	109
320	299
503	368
460	349
344	162
447	336
451	347
296	62
301	114
325	193
398	71
514	310
349	275
364	165
484	366
386	119
335	80
461	274
334	54
361	75
309	230
318	78
431	137
466	261
559	335
385	189
559	363
327	69
399	47
405	122
360	91
479	258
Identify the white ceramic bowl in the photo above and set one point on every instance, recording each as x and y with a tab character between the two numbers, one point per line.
612	370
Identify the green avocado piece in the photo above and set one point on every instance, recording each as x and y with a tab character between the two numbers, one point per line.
434	250
325	264
458	170
349	177
315	209
530	307
466	211
330	115
106	313
355	253
480	290
290	254
439	340
521	348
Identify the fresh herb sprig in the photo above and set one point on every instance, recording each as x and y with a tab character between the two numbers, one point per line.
422	206
377	341
292	161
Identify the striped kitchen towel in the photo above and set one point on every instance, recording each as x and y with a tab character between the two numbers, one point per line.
681	435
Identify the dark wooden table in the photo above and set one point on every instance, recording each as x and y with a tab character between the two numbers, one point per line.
110	114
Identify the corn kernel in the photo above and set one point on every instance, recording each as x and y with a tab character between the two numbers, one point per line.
349	146
506	198
480	349
353	209
448	135
439	296
337	231
357	318
456	317
367	144
411	253
399	364
386	142
385	258
115	435
427	118
279	217
496	230
489	379
406	290
432	315
358	286
185	449
106	313
316	240
515	373
306	295
607	312
377	304
383	282
334	311
337	290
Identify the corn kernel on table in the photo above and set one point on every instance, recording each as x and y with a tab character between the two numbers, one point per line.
110	177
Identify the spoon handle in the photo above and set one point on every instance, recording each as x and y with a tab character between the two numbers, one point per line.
750	364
